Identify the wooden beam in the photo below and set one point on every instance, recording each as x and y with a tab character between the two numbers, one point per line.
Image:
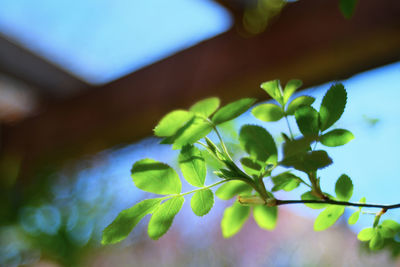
49	80
310	40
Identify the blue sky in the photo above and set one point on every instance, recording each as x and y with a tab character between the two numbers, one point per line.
101	40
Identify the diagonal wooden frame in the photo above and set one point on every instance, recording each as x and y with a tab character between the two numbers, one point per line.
310	40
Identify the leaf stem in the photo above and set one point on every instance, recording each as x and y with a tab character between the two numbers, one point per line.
209	151
304	182
222	142
290	129
335	202
195	190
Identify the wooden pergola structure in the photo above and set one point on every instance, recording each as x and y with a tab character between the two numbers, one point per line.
310	40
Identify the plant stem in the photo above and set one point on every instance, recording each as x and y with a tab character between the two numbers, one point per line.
316	188
208	149
196	190
290	129
222	143
340	203
304	182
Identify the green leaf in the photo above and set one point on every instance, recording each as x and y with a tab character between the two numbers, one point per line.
300	145
309	196
392	225
127	219
347	7
234	218
251	166
232	110
299	102
155	177
172	122
328	217
285	181
290	88
273	88
193	131
377	241
344	188
268	112
225	174
332	106
258	143
307	120
162	218
366	234
388	228
212	147
193	165
354	217
206	107
386	232
265	216
308	161
202	202
232	188
337	137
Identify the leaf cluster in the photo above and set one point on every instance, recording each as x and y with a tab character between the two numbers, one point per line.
188	130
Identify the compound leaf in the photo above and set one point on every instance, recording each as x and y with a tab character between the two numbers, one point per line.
193	165
202	202
172	122
258	143
234	218
337	137
155	177
206	107
299	102
332	106
328	217
265	217
268	112
127	219
162	218
232	188
344	188
232	110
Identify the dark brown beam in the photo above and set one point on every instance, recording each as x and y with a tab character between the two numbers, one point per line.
310	40
49	80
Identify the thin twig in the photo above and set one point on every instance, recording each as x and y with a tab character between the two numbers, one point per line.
290	129
334	202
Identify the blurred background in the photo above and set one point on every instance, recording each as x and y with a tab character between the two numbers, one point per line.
83	83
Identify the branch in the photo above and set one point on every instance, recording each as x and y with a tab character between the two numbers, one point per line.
334	202
195	190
